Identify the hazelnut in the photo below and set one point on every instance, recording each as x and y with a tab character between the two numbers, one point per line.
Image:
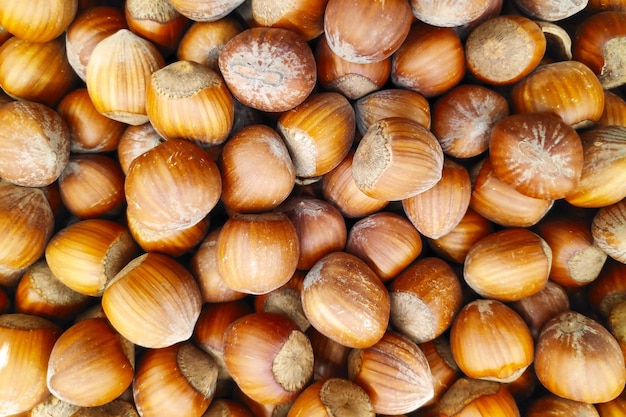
269	69
386	242
575	345
508	265
490	341
397	158
27	343
39	21
504	49
257	253
345	300
430	61
178	379
438	210
394	373
156	21
424	299
187	100
381	28
88	28
90	364
269	358
537	154
153	301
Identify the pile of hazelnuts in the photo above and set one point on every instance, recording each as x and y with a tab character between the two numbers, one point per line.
312	208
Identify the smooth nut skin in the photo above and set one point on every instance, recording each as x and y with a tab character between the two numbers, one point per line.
27	343
386	242
187	100
430	61
90	131
425	297
268	69
268	356
502	204
172	186
609	288
79	195
257	253
90	364
442	366
320	227
339	188
391	102
394	372
157	21
203	266
23	212
154	301
35	71
567	88
175	242
88	28
176	380
604	5
257	171
40	293
208	333
345	300
37	21
330	357
454	13
352	208
539	308
608	229
134	141
397	158
551	404
203	41
318	133
86	255
576	258
366	32
599	42
550	11
614	110
463	117
117	79
305	17
575	345
603	162
508	265
490	341
614	407
351	79
523	387
455	245
205	11
436	211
